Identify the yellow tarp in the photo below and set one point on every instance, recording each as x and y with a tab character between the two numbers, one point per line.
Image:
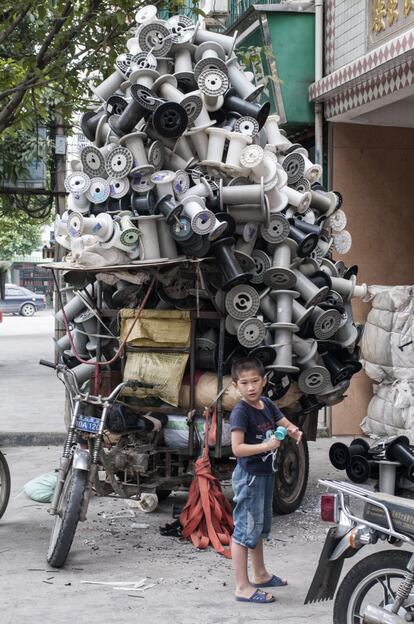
157	328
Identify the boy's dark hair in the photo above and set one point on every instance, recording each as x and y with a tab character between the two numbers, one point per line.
245	364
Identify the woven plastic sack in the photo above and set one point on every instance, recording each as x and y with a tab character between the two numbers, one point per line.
41	488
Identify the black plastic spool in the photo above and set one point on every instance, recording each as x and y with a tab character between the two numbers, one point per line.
234	103
89	123
306	242
361	469
321	279
353	270
213	202
115	105
232	272
264	354
183	232
338	370
143	204
304	226
167	207
141	105
170	120
229	122
399	450
231	223
340	454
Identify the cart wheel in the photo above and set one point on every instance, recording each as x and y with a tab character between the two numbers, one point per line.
291	478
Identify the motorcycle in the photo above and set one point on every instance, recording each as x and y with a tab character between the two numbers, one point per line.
5	484
378	589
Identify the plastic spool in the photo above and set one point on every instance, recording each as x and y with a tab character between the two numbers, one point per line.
119	162
202	220
243	87
111	84
275	138
116	105
325	322
251	333
216	142
89	123
144	60
183	66
213	83
338	221
283	330
170	120
277	200
300	314
182	27
146	14
129	234
248	235
239	194
268	306
324	202
348	288
101	226
237	142
124	63
164	181
168	247
93	162
242	302
141	184
262	264
150	248
347	336
218	230
302	185
301	201
73	307
78	183
156	155
329	267
206	350
247	125
311	294
201	190
154	37
134	143
280	275
294	165
342	242
313	378
277	231
226	42
267	169
118	187
98	191
167	206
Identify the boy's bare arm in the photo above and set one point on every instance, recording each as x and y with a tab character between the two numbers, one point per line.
240	449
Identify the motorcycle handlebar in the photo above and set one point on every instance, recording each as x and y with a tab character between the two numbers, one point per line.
48	364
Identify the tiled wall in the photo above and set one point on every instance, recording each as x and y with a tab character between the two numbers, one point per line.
350	19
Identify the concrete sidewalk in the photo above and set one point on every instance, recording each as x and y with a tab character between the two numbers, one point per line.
32	397
191	586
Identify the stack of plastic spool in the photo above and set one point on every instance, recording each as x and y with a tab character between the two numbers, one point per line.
183	162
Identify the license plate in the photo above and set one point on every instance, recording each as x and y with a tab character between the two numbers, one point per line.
88	423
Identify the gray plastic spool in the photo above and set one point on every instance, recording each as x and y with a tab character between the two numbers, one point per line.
268	306
300	313
279	275
325	322
277	231
251	333
283	299
168	248
262	263
311	294
334	394
313	378
282	337
149	237
89	324
74	306
242	302
387	476
347	335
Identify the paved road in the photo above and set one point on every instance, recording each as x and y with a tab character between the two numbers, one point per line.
192	587
32	398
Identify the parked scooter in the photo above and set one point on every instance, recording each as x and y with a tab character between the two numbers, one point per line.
379	589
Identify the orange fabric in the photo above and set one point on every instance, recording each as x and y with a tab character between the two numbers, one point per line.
207	517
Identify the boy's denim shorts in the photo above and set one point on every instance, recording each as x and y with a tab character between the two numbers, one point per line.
253	495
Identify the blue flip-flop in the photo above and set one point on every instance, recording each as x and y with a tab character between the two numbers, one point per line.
275	581
258	597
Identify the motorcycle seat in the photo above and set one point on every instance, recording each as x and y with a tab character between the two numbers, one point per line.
401	511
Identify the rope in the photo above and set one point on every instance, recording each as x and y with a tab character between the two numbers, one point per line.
207	518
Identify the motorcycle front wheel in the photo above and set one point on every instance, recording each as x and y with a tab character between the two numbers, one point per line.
67	517
4	484
373	580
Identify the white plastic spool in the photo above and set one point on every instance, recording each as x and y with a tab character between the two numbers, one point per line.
242	85
199	139
276	199
301	201
163	181
182	59
348	289
146	14
202	189
228	43
74	306
174	160
144	77
261	164
213	84
216	141
274	137
203	221
168	248
237	142
184	149
133	46
101	226
342	241
312	171
149	243
108	87
135	143
338	220
118	187
246	241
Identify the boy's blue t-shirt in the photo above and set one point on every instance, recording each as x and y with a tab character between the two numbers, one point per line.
255	422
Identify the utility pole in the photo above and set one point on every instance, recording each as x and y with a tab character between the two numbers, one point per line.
59	160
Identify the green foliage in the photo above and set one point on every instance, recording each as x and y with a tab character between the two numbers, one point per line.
18	235
47	50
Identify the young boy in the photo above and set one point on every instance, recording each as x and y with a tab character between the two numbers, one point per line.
253	478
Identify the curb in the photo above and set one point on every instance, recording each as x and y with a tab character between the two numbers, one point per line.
31	438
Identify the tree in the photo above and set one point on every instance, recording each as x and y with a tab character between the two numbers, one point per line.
18	235
53	44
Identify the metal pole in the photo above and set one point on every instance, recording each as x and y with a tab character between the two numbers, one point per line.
59	160
318	76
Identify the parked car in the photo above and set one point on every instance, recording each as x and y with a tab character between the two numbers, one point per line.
19	300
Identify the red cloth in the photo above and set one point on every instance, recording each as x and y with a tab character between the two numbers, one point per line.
207	517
